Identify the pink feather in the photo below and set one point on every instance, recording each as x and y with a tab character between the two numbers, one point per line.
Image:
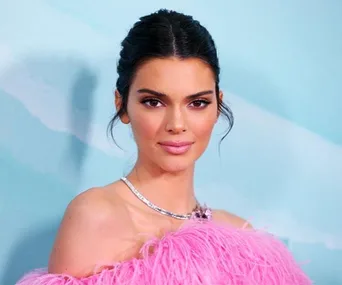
198	253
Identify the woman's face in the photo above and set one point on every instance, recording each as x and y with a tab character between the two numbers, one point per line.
172	109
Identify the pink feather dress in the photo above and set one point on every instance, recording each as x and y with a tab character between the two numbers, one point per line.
200	252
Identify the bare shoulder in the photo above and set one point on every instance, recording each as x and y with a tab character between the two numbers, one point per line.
231	219
92	232
98	207
98	204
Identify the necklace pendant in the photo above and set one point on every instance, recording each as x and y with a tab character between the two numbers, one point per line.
201	213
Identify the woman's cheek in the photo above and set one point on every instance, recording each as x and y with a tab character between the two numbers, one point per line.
146	127
203	127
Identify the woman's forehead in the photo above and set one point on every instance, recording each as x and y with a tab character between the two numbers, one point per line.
173	74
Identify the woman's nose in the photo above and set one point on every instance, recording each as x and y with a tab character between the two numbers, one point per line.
176	122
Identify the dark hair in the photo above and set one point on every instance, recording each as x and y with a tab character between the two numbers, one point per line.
160	35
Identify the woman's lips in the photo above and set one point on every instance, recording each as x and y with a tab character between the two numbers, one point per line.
173	147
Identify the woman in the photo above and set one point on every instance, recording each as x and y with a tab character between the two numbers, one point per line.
148	227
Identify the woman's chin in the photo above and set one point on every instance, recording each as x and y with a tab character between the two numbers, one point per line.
176	165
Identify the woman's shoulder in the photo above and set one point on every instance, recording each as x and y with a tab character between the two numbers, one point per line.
94	229
225	217
99	204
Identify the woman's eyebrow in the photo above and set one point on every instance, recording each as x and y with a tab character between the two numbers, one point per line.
160	94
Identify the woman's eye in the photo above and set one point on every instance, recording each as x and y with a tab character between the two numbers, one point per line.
199	103
152	103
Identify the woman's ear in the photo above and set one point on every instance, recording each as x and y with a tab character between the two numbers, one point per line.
118	104
220	98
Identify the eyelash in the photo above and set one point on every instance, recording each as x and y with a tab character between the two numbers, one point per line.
149	100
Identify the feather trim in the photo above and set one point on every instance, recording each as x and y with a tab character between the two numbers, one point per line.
198	253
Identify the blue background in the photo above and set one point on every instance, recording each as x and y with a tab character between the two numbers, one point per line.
281	166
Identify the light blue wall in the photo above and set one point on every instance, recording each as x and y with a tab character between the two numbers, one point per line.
281	165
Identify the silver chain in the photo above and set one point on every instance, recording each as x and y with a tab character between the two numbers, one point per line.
153	206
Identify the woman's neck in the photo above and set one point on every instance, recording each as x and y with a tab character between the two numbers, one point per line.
171	191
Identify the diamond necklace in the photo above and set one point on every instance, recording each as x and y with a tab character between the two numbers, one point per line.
155	207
